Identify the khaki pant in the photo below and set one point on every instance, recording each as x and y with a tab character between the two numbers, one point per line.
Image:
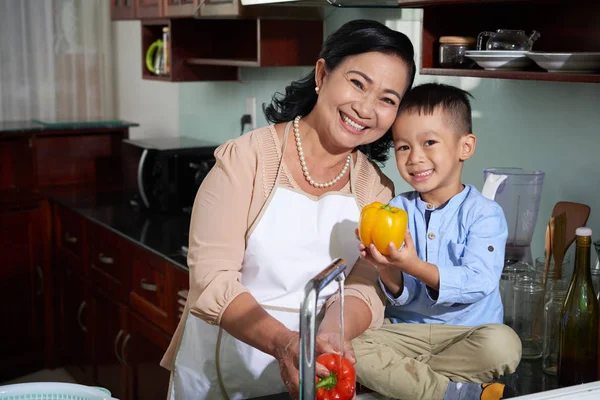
416	361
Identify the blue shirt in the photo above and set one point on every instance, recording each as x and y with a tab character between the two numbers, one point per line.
465	239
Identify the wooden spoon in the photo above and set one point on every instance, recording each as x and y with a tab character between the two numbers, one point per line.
558	243
547	250
577	216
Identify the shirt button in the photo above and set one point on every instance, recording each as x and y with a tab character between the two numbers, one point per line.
431	235
429	206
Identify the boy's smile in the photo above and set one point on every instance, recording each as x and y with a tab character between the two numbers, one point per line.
429	153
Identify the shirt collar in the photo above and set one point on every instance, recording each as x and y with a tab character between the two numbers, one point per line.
457	199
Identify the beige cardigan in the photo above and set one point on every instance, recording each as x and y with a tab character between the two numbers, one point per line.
227	207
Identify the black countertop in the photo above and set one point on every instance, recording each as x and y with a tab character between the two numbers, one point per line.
162	234
57	125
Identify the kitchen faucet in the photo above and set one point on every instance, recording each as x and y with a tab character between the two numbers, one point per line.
308	313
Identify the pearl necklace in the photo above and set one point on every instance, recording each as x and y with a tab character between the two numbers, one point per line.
303	161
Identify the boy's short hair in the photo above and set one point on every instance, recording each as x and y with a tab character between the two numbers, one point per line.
455	102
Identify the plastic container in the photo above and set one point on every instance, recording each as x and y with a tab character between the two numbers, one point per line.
53	391
452	51
519	195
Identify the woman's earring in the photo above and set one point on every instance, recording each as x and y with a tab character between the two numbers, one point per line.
317	89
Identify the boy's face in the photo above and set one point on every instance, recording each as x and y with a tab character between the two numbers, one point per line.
429	153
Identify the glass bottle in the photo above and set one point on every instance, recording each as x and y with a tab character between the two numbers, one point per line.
578	338
596	270
166	50
556	293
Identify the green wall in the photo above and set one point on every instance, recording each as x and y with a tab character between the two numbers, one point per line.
550	126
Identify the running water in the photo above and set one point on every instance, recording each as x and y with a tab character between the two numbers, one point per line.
341	284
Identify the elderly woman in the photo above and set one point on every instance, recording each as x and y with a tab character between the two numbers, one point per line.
280	204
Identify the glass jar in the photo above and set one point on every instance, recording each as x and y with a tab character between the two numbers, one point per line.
452	51
507	283
528	314
557	291
565	275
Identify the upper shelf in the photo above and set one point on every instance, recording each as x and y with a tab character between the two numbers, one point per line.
215	49
564	27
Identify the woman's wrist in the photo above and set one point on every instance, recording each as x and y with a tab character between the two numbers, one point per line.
283	339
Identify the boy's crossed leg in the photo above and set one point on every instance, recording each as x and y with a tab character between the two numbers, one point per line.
423	361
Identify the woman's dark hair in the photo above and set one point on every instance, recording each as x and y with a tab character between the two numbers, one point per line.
355	37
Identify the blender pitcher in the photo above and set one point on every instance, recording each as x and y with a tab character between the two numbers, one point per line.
518	192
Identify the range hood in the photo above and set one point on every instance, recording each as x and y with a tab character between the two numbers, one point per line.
326	3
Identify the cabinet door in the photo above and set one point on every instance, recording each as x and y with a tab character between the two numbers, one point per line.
229	8
148	8
77	328
110	332
149	381
179	8
122	9
21	293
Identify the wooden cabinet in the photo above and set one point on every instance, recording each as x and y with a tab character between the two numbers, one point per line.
110	338
107	339
122	9
109	259
564	27
21	293
214	49
148	380
77	327
179	8
148	8
150	284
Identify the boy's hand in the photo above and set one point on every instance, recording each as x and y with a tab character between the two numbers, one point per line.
404	260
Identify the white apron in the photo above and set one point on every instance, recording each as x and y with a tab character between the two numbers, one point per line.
296	237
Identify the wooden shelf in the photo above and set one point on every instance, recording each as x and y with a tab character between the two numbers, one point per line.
521	75
563	28
148	76
215	49
217	61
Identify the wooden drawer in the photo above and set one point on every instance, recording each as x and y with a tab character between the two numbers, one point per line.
150	283
180	290
69	231
109	257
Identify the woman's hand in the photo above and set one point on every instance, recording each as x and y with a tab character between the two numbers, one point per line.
332	345
288	355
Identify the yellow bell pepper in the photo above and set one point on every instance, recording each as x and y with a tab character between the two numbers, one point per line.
381	224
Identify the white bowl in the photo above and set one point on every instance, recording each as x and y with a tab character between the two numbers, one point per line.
581	63
507	61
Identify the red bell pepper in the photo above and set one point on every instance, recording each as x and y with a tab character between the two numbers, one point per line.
341	382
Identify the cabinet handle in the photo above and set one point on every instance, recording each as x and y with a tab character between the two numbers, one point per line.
123	348
116	346
197	10
70	238
40	274
151	287
79	312
105	259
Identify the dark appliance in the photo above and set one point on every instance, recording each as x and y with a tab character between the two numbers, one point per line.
166	172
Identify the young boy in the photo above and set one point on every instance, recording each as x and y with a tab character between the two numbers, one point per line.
444	313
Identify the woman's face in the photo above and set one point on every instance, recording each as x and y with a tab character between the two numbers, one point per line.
358	101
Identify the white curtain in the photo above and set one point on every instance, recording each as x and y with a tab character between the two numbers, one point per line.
55	60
